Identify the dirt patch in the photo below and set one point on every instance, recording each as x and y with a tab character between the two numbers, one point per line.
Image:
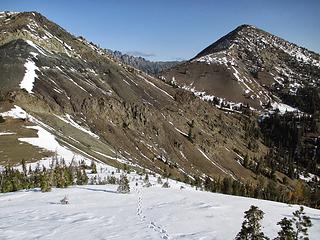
12	151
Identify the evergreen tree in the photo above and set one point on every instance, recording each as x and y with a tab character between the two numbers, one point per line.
24	167
85	178
45	184
68	173
146	178
191	131
246	161
301	223
286	232
146	181
251	227
123	184
79	177
208	184
93	167
159	180
166	184
227	186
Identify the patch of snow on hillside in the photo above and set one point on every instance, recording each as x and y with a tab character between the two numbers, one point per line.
152	84
283	108
216	164
32	44
299	54
47	141
214	58
308	177
16	112
30	76
203	96
237	76
178	130
70	79
70	121
118	157
182	154
34	54
6	133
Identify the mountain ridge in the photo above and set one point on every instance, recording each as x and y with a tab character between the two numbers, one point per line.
136	116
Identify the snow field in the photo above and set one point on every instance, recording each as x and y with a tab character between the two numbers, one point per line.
98	212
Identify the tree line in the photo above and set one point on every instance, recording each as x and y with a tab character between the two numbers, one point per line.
58	174
266	189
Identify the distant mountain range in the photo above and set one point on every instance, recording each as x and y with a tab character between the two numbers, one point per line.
142	64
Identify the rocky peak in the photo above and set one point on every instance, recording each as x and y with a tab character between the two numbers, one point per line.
258	67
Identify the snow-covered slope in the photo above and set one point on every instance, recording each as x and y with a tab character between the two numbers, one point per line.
98	212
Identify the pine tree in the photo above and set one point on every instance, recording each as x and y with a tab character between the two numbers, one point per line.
146	178
301	223
24	167
227	186
68	173
79	177
85	178
286	232
166	184
246	161
45	184
146	181
251	227
123	184
191	131
93	167
207	184
159	180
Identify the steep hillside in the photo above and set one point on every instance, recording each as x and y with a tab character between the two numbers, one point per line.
276	79
95	105
249	65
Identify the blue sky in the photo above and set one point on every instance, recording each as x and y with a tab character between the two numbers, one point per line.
175	29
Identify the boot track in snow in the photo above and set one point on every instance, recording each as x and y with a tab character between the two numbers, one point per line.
152	224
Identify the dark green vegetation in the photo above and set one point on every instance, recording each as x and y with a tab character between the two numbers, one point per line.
251	227
291	229
58	175
307	99
294	142
123	184
300	193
